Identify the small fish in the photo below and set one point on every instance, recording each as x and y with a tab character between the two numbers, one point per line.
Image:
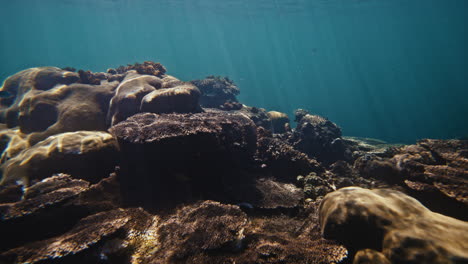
245	205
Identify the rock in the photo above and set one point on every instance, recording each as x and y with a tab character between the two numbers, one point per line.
279	121
258	115
199	228
147	93
84	154
91	240
319	138
299	114
55	204
369	146
315	186
49	192
46	101
186	156
396	224
230	105
88	77
282	161
147	68
279	238
434	171
275	194
216	91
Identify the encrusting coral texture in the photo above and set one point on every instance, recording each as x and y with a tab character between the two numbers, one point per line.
134	165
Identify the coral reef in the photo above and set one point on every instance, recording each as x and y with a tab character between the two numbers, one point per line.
434	171
319	138
282	161
200	228
136	166
147	68
216	91
391	222
258	115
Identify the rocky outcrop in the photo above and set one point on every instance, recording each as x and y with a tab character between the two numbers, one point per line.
187	156
274	194
396	224
198	229
369	146
434	171
84	154
54	204
282	161
319	138
95	238
146	68
216	91
258	115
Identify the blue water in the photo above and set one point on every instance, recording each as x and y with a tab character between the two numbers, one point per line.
390	69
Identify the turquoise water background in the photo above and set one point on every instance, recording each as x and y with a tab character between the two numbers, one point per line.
390	69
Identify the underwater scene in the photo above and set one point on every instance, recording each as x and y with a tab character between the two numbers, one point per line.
234	131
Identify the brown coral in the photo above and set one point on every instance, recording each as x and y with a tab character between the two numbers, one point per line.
394	223
147	67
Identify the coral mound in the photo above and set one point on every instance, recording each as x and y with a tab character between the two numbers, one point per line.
394	223
46	101
216	91
84	154
197	154
433	171
319	138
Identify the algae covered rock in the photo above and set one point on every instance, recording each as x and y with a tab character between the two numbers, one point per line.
146	68
274	194
186	155
258	115
54	204
434	171
46	101
284	162
216	91
89	155
89	241
198	228
319	138
396	224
